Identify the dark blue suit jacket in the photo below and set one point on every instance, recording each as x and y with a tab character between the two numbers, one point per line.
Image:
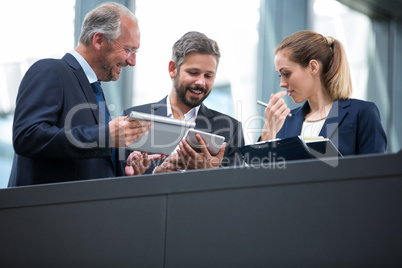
209	121
354	126
57	133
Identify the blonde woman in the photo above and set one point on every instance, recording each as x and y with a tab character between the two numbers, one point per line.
315	68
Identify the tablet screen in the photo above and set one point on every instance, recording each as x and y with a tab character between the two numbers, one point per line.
212	141
165	135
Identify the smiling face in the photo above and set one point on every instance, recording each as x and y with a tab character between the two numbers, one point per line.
299	82
115	55
194	81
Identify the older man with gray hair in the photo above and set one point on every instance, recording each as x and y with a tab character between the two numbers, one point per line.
62	129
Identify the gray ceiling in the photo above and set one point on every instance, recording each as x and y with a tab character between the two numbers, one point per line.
376	8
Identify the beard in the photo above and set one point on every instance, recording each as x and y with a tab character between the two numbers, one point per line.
108	67
108	72
181	91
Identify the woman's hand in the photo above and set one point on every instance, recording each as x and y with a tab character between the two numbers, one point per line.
275	115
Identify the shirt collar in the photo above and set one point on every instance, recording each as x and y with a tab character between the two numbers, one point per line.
85	66
189	116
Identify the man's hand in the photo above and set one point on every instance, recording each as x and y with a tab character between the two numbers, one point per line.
123	132
199	160
171	164
188	158
137	163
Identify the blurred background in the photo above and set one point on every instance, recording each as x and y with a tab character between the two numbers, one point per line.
247	33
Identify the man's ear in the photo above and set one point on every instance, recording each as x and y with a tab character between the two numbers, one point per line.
98	40
172	69
314	67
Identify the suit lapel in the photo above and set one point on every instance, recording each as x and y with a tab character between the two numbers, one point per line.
295	123
203	118
83	80
335	118
159	108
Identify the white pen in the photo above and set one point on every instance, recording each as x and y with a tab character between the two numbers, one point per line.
266	104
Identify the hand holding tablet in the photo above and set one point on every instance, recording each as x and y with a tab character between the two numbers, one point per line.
212	141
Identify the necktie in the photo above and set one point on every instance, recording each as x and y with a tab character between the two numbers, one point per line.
104	114
101	101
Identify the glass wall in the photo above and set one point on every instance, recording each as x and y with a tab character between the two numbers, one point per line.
31	30
354	30
232	23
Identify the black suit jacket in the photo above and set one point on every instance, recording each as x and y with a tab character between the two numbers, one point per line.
209	121
57	133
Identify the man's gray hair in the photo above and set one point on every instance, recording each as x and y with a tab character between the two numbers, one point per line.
194	42
105	19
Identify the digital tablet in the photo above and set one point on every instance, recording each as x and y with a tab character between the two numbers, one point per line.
212	141
165	135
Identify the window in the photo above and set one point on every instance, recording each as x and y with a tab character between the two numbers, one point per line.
33	30
352	28
232	23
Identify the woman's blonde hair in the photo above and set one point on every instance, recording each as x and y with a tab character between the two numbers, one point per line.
304	46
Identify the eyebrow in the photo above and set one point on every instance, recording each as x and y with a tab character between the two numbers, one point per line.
197	69
282	69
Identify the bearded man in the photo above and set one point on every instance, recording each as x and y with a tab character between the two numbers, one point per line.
193	68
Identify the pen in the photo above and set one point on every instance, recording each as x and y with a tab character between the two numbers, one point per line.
265	105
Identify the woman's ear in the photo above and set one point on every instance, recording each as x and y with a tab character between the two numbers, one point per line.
172	69
314	67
